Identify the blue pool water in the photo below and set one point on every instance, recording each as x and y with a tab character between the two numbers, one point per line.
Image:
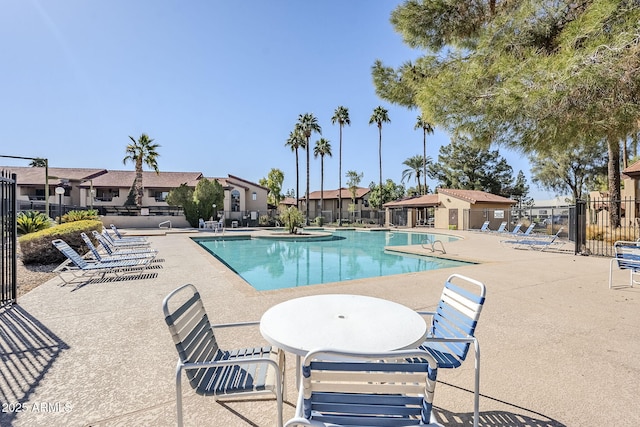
268	264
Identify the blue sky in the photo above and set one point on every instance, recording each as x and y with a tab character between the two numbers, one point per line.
218	84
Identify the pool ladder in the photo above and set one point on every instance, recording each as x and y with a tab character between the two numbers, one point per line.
432	245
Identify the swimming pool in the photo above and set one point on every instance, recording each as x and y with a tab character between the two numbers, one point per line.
268	264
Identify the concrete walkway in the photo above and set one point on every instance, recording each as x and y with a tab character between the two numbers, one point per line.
558	347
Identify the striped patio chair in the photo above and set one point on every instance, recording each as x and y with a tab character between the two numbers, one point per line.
453	327
211	370
366	389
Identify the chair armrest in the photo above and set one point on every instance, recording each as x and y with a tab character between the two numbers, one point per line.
231	362
426	313
233	325
463	340
296	421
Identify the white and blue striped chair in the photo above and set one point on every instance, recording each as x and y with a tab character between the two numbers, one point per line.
626	257
453	327
366	389
211	370
114	256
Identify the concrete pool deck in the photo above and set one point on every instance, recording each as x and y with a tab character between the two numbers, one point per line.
558	347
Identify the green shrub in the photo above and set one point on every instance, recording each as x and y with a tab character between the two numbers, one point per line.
72	216
36	247
292	219
32	221
319	221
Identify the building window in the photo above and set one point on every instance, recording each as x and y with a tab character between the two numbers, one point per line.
161	196
235	201
254	196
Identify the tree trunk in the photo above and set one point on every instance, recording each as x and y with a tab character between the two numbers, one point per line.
321	183
340	180
297	181
424	160
613	147
380	153
306	197
139	192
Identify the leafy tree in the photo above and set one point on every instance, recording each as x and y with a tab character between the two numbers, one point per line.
520	191
38	162
142	151
273	182
183	196
378	196
379	116
197	203
415	165
340	116
525	74
292	219
308	124
426	127
295	142
353	181
322	148
32	221
290	193
576	169
462	165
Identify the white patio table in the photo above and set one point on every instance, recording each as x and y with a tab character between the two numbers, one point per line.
342	322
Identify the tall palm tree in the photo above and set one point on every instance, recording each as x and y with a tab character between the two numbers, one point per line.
340	116
415	165
296	141
38	162
322	148
138	152
427	128
307	124
379	116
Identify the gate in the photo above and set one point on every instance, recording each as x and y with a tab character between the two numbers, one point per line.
8	231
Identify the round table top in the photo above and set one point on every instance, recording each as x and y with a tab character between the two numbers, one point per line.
342	322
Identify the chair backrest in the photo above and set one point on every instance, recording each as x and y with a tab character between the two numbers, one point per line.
90	245
115	230
70	253
385	389
627	254
103	241
190	329
458	312
503	225
516	229
529	228
485	226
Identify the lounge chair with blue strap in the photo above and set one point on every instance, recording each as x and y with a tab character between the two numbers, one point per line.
366	389
123	242
114	256
122	249
211	370
453	327
540	243
119	236
79	267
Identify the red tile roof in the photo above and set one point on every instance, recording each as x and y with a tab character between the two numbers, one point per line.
35	176
476	196
427	200
122	179
333	194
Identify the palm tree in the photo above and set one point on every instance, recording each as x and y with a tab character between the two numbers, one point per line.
307	124
296	141
340	116
415	165
141	151
322	148
38	162
379	116
426	129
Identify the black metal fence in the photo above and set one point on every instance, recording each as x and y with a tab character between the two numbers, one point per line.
8	230
601	231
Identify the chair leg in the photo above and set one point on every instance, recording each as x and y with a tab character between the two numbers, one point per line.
476	396
179	394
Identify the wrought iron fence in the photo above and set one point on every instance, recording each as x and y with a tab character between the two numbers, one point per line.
8	230
607	221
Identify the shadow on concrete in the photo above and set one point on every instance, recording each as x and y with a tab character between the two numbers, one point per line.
27	350
518	417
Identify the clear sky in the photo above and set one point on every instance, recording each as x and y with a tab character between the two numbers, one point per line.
218	84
